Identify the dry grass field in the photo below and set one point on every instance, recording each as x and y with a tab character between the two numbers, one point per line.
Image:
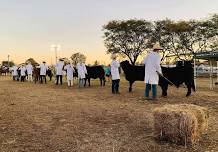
50	118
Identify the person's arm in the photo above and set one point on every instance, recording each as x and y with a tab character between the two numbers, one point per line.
85	70
158	67
144	61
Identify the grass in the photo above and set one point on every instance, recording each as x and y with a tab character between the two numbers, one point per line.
50	118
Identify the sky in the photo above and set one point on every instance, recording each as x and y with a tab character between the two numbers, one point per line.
28	28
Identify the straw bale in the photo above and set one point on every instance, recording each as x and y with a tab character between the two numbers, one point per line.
181	124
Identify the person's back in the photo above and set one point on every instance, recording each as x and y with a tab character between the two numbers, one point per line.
29	69
152	65
152	71
115	75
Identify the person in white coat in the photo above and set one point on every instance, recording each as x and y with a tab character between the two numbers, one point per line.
152	71
29	69
23	72
82	71
59	71
115	75
69	68
43	70
14	72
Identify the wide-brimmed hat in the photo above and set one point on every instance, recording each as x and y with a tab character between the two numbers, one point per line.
113	56
157	47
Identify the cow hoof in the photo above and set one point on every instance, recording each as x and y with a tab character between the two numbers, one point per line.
164	96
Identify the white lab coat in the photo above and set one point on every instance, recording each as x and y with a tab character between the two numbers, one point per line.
14	71
23	71
82	71
59	68
70	70
29	69
43	69
152	66
115	70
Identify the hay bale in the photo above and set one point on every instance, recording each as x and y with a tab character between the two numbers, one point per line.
201	113
180	124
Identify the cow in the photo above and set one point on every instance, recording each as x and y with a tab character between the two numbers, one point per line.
4	69
177	75
36	74
94	72
49	73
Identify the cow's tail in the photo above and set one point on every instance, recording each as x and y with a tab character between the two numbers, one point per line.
193	85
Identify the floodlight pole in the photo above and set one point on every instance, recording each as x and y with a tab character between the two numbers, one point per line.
195	72
217	71
8	60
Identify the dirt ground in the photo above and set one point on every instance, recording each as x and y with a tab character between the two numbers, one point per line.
50	118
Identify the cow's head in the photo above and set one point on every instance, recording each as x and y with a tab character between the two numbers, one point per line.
124	63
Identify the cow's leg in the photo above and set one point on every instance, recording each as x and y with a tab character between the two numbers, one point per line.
100	81
189	86
164	89
130	86
85	82
104	81
89	82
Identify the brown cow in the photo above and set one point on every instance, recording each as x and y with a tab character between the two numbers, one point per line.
36	74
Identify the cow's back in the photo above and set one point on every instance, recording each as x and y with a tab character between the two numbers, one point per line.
95	72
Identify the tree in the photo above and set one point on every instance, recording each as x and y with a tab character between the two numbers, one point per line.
185	38
161	34
76	57
5	63
127	38
32	61
65	60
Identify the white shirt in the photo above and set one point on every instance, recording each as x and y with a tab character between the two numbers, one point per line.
22	71
152	66
70	70
82	71
59	68
43	69
14	70
29	69
115	70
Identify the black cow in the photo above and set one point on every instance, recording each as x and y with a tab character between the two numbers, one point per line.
95	72
177	75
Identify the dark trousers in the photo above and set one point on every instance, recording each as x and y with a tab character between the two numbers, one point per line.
115	86
41	78
23	78
152	87
59	76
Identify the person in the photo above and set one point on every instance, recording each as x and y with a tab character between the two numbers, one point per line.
14	73
107	72
69	68
29	69
152	71
23	72
82	71
43	69
115	75
59	71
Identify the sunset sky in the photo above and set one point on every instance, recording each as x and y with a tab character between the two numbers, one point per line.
29	27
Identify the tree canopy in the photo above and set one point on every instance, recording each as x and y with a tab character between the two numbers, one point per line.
5	63
127	38
76	57
181	39
32	61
